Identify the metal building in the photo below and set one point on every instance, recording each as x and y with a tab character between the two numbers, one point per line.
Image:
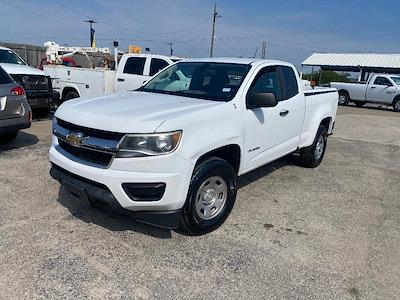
355	62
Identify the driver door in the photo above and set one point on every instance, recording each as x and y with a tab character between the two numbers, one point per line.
272	132
381	90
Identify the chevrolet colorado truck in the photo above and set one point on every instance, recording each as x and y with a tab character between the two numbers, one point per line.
170	153
380	88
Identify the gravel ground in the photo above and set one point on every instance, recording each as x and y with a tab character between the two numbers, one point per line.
326	233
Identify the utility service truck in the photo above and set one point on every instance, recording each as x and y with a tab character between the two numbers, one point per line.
73	82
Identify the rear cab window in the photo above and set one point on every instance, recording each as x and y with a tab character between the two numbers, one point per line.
156	65
290	87
135	65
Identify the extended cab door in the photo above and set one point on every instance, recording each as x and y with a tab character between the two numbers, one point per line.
272	132
381	90
131	73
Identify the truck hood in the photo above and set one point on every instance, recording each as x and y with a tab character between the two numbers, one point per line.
20	69
129	112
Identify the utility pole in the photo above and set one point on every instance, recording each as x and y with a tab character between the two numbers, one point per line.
91	22
263	49
215	16
171	51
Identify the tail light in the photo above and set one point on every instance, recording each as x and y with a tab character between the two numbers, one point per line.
19	91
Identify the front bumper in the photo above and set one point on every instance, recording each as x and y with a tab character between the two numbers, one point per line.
99	195
172	170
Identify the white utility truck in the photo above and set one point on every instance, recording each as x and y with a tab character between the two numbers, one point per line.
380	88
73	82
170	153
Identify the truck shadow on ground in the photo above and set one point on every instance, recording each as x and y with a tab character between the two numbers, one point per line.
23	139
117	222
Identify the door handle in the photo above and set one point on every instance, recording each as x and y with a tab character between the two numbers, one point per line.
284	113
121	79
373	87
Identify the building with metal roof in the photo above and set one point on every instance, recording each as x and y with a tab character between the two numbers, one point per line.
355	62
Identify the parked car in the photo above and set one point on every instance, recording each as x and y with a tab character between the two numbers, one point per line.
380	88
36	84
132	71
15	112
170	153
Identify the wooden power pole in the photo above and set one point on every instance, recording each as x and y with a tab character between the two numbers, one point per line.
263	49
215	15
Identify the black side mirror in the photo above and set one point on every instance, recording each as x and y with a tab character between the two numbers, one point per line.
255	100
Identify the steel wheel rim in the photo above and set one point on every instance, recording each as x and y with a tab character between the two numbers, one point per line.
342	99
211	197
319	148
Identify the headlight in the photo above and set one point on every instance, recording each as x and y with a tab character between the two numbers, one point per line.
139	145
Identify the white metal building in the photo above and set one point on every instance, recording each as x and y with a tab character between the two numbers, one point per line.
355	62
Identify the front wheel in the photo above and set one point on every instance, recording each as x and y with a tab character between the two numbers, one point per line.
311	157
211	196
396	105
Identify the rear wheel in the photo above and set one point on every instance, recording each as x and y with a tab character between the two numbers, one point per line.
360	103
396	104
8	137
311	157
211	196
71	95
344	98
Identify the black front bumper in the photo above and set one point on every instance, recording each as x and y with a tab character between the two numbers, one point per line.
100	196
39	99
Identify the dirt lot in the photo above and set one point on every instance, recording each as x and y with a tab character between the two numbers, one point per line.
326	233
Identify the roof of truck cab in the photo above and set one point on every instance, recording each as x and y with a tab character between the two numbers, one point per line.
235	60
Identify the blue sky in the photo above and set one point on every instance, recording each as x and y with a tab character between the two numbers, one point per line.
293	29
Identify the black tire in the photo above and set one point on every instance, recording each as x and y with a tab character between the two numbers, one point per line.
194	224
311	157
8	137
360	103
344	98
71	95
396	104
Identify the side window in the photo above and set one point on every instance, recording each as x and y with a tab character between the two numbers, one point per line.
289	82
382	81
267	81
135	65
156	65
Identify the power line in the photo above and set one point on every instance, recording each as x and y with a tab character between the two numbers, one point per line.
187	28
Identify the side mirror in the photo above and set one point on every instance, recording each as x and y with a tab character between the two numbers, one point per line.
255	100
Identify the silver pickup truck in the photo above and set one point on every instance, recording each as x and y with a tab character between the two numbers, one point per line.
380	88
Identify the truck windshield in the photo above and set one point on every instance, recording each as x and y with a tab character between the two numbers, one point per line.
396	80
9	57
203	80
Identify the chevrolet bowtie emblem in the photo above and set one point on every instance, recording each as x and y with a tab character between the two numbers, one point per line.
75	138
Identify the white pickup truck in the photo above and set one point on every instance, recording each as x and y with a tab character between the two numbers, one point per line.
170	153
380	88
132	71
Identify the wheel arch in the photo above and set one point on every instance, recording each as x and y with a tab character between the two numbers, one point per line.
68	89
231	153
